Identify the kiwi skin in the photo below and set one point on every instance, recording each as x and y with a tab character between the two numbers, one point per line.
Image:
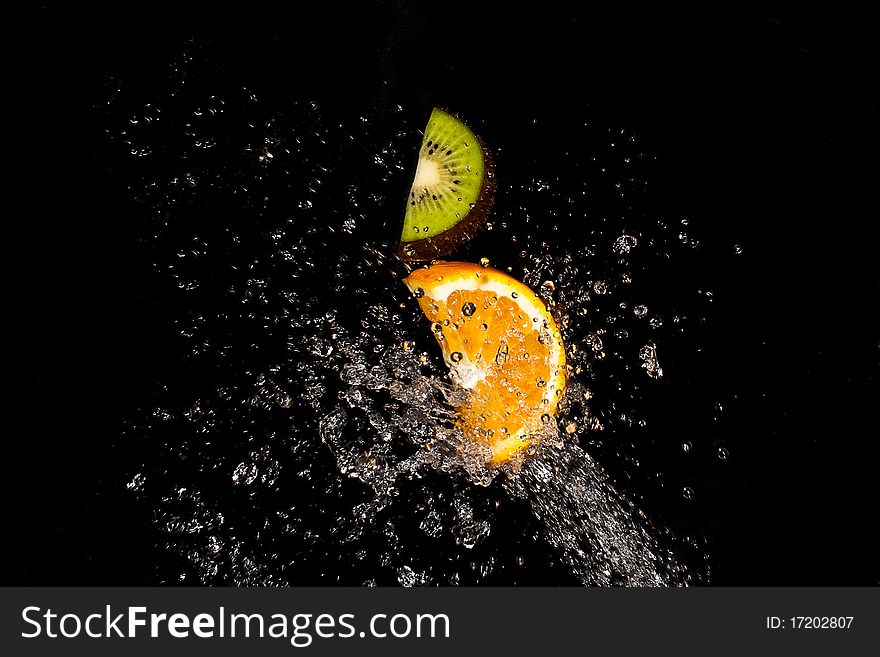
443	244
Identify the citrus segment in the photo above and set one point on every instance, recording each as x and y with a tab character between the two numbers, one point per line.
501	345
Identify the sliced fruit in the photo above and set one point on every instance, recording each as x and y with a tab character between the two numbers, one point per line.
451	192
502	346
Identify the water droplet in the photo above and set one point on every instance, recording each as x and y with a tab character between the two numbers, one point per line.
545	418
648	356
484	327
456	356
624	244
687	493
468	309
244	473
484	262
686	446
737	249
136	483
514	295
723	453
419	293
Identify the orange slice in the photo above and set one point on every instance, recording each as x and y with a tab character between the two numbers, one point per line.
502	346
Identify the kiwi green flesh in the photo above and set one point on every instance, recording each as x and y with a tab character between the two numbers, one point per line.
449	179
443	244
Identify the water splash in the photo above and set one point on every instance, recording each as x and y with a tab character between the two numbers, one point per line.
600	535
304	430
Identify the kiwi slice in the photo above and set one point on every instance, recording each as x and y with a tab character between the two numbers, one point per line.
451	193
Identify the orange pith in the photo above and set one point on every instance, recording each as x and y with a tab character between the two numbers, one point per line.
501	345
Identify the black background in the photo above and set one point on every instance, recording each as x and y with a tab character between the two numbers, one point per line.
766	121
